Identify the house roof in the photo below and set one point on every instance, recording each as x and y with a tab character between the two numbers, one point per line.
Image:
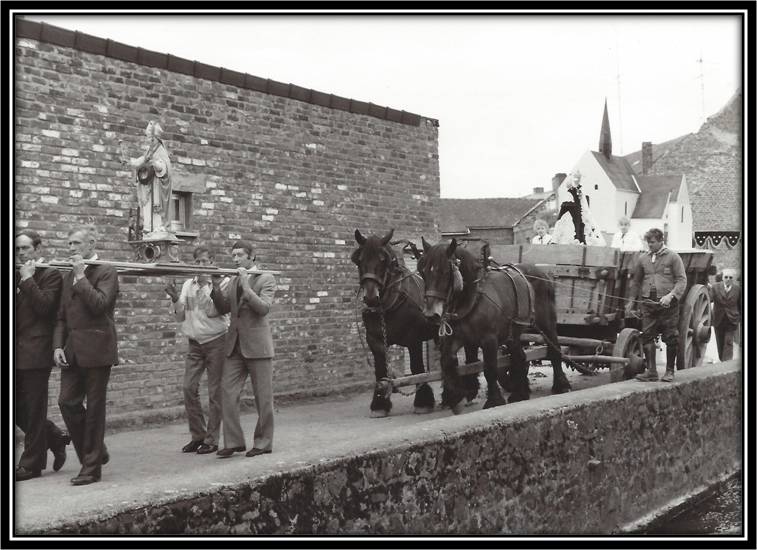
618	170
654	195
659	150
460	215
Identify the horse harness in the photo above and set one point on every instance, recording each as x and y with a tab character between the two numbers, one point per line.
522	289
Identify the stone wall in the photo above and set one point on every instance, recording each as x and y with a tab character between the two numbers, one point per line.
596	461
294	176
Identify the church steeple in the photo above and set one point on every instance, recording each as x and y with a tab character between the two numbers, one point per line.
605	139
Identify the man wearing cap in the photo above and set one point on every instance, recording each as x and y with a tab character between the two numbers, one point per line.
660	279
37	296
726	315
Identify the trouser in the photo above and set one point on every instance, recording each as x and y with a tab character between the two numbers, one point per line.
40	434
86	425
208	357
725	333
656	319
235	371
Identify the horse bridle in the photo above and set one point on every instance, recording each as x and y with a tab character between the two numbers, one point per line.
448	296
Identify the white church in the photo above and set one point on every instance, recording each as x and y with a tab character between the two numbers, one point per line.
613	189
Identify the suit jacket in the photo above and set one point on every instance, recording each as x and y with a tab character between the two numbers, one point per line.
86	329
727	307
36	307
249	324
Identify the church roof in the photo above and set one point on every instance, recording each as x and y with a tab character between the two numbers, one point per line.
654	195
618	170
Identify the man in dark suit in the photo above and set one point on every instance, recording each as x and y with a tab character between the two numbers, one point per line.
37	296
85	350
726	316
249	350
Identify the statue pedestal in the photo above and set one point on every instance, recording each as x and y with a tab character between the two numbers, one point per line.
157	245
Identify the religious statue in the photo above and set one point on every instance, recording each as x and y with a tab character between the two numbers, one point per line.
578	227
153	174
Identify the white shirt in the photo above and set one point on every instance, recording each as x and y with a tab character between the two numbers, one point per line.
628	242
546	239
200	320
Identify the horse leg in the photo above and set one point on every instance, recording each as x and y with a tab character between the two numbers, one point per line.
518	370
493	395
560	382
470	382
424	395
381	403
452	392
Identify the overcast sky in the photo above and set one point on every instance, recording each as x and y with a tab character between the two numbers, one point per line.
518	97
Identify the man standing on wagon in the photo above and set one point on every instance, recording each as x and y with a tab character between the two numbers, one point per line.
660	280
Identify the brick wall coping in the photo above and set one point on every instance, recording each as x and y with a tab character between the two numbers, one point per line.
76	40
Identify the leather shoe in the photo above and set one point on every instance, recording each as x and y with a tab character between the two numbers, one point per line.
192	446
59	452
22	474
228	451
205	449
256	452
84	479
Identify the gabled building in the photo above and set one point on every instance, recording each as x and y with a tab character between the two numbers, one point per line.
495	220
614	189
712	160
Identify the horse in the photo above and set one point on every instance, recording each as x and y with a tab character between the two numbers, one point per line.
477	307
393	297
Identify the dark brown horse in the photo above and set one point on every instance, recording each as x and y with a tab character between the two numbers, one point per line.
393	296
477	307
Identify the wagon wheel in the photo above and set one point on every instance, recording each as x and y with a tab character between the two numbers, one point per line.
627	345
694	327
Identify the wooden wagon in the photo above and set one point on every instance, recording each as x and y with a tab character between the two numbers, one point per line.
592	285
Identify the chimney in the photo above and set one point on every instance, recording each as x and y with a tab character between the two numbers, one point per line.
538	190
646	157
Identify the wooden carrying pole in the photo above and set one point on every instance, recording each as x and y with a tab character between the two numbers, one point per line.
156	269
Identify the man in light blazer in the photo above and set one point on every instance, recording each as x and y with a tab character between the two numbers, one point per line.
85	349
726	315
249	350
37	297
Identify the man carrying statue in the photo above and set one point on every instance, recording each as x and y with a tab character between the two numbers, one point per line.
153	181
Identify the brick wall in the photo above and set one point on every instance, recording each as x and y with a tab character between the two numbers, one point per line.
293	177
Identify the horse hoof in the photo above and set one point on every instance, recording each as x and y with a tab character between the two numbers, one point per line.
562	389
457	409
469	402
515	398
423	410
494	403
379	414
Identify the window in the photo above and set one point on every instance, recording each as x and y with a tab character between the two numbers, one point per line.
588	200
180	211
596	187
625	211
682	214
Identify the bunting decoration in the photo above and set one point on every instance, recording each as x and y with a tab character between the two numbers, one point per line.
717	240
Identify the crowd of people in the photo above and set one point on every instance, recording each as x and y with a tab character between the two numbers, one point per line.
67	320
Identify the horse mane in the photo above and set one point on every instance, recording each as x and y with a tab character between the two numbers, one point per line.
469	266
374	242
